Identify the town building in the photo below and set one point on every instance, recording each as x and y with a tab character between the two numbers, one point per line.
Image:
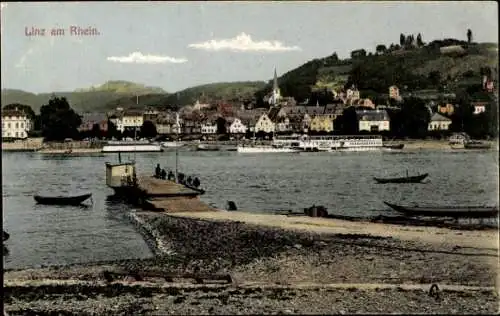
237	127
373	120
164	126
447	109
15	124
128	120
334	110
479	107
209	127
439	122
321	123
264	124
150	115
90	119
394	93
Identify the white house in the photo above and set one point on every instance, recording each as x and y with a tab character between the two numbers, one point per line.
128	120
15	124
209	128
132	120
373	120
237	127
264	124
439	122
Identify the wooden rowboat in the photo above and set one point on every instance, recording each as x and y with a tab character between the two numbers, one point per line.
412	179
5	236
447	211
62	200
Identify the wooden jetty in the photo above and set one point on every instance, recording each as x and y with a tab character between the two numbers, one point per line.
155	187
152	193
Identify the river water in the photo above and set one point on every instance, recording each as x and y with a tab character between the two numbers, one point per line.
343	182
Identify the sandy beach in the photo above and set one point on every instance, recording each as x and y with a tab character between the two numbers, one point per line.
278	265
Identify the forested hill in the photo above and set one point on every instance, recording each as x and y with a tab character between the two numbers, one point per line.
428	66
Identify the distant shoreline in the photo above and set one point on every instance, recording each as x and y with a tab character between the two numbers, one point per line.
84	147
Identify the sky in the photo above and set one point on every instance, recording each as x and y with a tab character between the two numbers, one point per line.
176	45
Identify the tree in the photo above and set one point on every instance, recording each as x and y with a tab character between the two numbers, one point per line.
148	130
380	49
415	117
469	36
402	40
420	43
358	53
59	120
221	125
112	130
349	121
435	77
96	131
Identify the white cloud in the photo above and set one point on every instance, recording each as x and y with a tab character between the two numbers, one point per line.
139	58
244	43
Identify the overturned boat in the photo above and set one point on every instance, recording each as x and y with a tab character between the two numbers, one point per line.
62	200
447	211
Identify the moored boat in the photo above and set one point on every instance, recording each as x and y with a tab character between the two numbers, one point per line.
205	147
266	149
476	145
5	236
447	211
131	147
331	143
62	200
407	179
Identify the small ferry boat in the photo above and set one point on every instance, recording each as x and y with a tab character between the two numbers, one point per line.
131	146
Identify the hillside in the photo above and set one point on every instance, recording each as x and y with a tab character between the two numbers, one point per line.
227	91
83	100
121	86
123	94
418	68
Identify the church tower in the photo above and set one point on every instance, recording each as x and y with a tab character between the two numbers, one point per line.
276	90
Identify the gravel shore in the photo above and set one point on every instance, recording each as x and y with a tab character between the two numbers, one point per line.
271	255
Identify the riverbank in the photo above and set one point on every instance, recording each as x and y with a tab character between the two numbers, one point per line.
70	151
278	264
86	147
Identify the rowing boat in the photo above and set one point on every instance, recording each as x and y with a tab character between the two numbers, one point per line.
62	200
447	211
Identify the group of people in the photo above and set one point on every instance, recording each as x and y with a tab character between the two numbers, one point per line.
181	178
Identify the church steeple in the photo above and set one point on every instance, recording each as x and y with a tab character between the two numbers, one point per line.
275	82
276	90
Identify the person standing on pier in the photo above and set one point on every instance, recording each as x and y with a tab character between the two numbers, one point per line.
196	182
158	171
171	176
163	174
